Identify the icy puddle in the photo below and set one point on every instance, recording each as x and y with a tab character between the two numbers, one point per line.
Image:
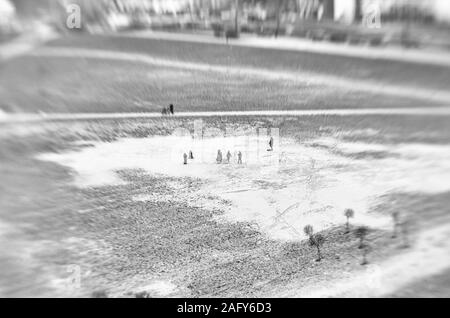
279	191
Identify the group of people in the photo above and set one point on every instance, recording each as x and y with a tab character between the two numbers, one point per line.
167	110
219	158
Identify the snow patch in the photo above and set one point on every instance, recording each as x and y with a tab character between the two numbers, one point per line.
280	191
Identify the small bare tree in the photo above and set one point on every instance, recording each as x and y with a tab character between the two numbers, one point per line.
308	230
361	233
317	240
349	213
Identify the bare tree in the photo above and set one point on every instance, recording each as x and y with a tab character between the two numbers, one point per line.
278	17
317	241
349	213
280	7
308	230
361	233
236	17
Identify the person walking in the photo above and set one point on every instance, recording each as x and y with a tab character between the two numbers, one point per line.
185	158
191	155
171	110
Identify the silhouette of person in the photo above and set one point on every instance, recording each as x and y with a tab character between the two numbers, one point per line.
185	158
164	111
191	155
228	156
219	156
239	157
171	109
271	143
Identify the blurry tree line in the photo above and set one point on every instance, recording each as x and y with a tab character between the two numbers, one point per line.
277	11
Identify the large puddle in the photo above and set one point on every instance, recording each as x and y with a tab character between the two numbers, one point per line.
280	191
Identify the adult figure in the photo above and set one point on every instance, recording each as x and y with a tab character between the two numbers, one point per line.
239	161
219	156
228	156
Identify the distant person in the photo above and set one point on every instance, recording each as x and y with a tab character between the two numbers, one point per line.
228	156
191	155
271	144
219	156
185	158
171	109
164	111
239	161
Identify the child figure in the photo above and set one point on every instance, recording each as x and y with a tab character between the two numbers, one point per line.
219	156
239	161
228	156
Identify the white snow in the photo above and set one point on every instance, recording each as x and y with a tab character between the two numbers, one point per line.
280	191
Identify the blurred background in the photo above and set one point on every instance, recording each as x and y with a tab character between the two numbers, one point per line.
404	22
